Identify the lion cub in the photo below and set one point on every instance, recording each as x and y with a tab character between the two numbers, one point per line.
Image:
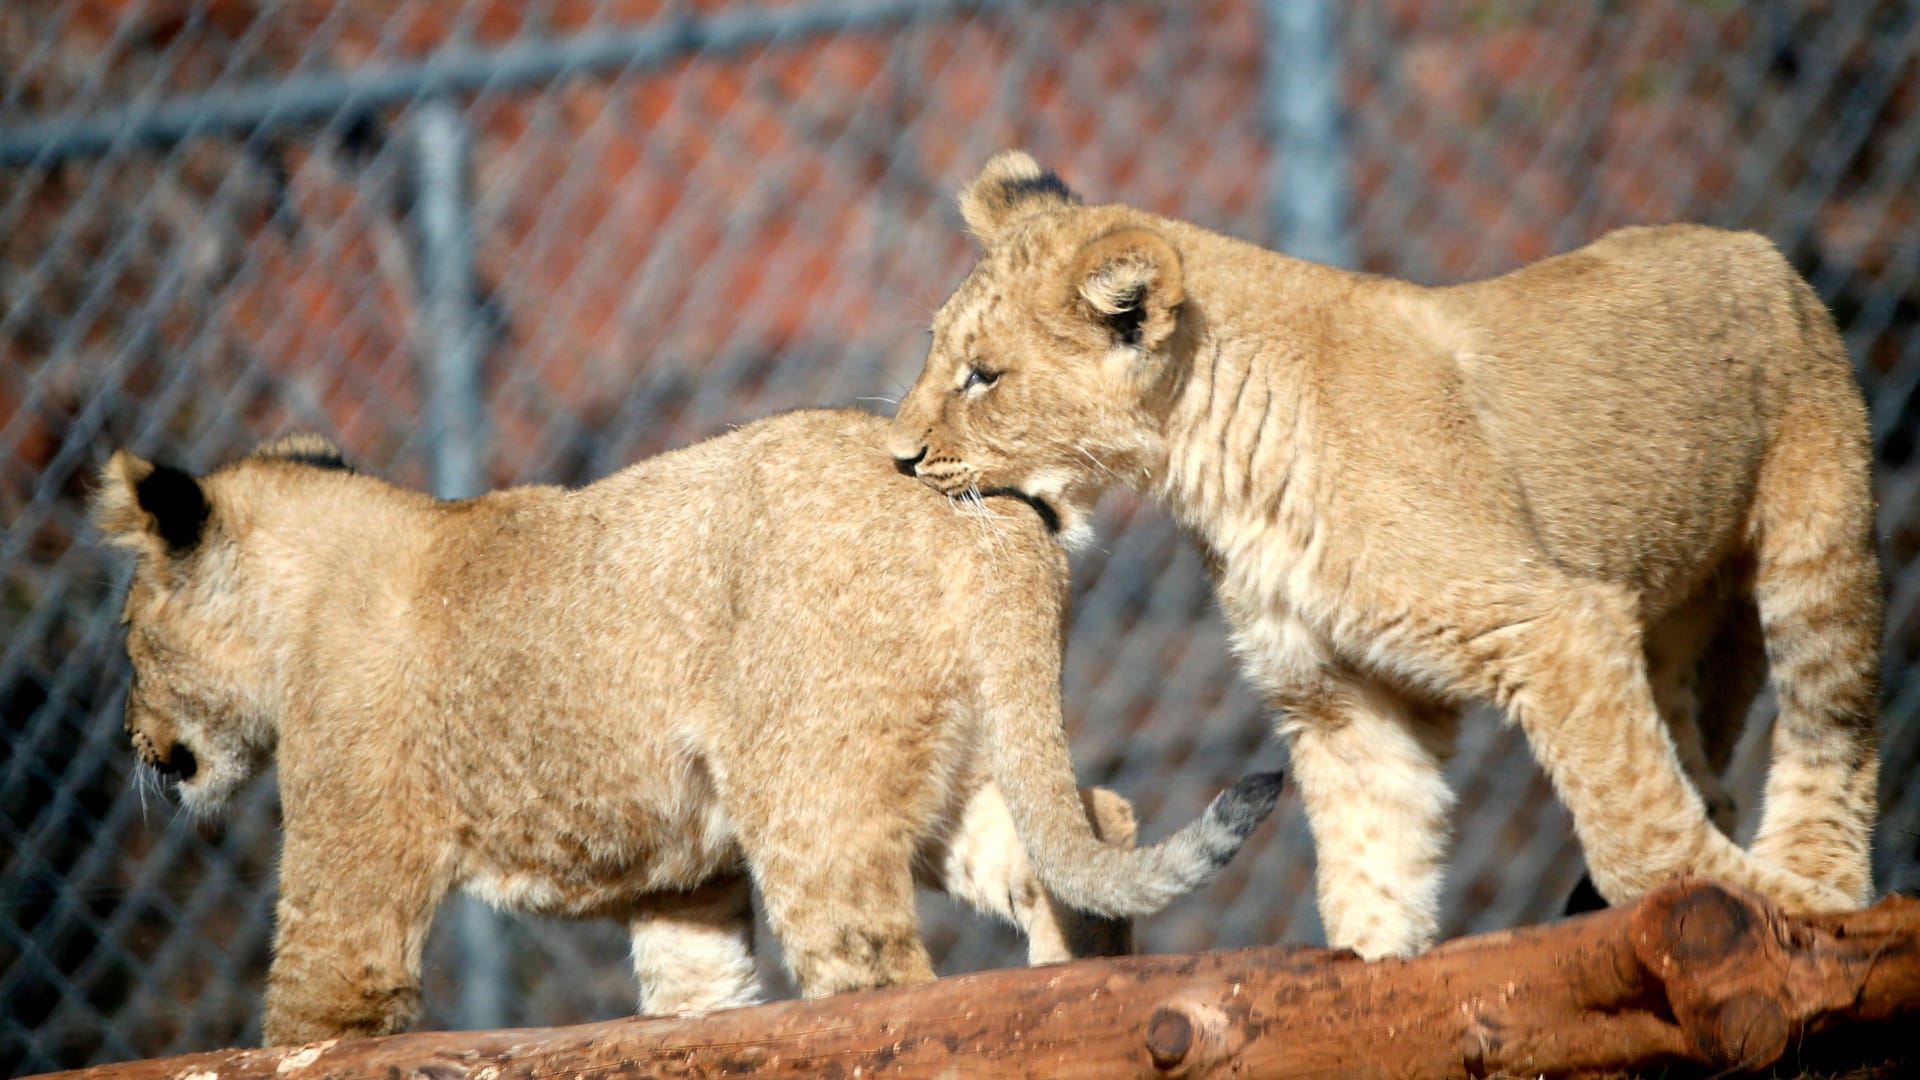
1603	492
768	654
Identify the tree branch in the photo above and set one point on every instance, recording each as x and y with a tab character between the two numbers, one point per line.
1695	974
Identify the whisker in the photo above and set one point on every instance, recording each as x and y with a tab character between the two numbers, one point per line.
138	780
1096	462
988	519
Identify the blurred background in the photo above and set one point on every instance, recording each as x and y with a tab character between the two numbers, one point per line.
487	242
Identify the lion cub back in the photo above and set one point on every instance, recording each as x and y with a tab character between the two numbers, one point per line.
853	583
1594	373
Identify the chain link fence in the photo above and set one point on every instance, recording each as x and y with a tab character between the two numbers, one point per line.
484	242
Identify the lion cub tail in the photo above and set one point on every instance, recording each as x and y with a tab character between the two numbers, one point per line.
1090	875
1084	872
1189	858
1026	741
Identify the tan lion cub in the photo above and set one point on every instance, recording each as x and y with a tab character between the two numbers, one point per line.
1599	492
765	654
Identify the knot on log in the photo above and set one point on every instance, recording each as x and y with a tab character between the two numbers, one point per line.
1704	925
1185	1037
1748	1029
1711	949
1169	1037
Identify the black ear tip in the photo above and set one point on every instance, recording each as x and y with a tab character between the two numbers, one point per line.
1047	184
178	505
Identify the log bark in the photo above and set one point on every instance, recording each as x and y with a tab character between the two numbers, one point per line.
1695	975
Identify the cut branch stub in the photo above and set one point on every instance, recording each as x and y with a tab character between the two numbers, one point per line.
1712	949
1169	1037
1186	1037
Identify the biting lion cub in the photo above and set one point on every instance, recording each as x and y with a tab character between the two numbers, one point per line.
767	654
1604	492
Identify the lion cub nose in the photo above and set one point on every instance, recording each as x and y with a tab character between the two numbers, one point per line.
906	465
179	763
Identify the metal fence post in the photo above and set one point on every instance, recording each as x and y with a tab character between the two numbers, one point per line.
451	391
1308	199
451	345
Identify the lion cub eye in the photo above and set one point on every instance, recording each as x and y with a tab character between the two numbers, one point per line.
979	376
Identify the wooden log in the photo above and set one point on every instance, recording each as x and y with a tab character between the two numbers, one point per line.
1695	974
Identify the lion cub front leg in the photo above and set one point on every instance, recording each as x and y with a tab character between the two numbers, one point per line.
349	928
1370	764
693	951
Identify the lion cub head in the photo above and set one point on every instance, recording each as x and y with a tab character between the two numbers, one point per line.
199	705
1050	359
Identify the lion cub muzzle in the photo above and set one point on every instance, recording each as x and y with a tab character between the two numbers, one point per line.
910	466
178	763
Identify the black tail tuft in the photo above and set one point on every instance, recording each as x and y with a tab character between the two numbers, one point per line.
1242	807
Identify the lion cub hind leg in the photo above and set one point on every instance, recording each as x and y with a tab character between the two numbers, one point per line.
1706	666
693	951
834	863
1370	765
984	864
844	913
1818	589
1574	678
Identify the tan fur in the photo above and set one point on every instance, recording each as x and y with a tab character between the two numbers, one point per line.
1600	492
767	655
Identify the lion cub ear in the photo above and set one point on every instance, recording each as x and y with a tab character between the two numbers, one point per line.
1011	186
140	504
1129	282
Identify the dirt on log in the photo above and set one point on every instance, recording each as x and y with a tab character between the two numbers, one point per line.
1694	975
